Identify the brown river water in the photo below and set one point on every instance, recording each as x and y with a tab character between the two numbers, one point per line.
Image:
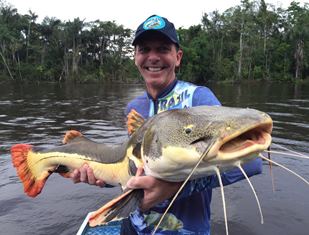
40	114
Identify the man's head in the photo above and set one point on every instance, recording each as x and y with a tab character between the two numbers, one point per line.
157	53
158	24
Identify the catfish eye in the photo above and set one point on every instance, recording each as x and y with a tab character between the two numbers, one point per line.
188	130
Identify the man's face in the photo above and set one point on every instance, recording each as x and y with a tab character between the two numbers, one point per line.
156	58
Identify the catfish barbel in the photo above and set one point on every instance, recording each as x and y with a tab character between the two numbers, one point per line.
167	145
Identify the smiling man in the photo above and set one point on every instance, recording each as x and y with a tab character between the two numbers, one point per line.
157	55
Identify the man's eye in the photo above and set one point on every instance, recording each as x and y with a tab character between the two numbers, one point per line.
164	49
143	49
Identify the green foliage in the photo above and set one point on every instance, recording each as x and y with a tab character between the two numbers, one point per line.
251	41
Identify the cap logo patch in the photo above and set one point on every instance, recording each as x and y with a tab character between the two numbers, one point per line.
154	22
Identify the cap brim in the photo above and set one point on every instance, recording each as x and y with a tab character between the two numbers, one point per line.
142	34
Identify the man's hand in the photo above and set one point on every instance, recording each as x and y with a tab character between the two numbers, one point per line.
85	175
155	190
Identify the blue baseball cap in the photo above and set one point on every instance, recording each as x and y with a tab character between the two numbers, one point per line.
157	24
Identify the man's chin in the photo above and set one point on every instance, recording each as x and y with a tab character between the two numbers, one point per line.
154	75
154	79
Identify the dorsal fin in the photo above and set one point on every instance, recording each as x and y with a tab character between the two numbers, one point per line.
70	135
134	121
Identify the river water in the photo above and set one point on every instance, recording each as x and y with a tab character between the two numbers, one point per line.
40	114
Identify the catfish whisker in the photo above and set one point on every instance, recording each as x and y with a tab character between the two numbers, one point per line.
253	190
223	199
288	154
289	150
270	169
182	186
271	176
284	167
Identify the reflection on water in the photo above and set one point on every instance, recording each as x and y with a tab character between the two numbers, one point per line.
40	115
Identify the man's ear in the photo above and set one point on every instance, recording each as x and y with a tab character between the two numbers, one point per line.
179	57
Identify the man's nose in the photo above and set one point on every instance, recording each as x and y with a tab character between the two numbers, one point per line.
153	56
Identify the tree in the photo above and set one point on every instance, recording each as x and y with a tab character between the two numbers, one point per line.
8	16
267	21
31	20
298	33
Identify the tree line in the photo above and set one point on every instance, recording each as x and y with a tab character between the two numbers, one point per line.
251	41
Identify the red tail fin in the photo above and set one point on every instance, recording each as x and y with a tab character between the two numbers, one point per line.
33	184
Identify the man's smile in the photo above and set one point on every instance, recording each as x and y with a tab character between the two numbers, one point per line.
154	69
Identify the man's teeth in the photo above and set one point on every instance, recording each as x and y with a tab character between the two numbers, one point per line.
152	69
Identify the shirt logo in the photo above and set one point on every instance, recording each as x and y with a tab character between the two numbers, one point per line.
174	101
154	22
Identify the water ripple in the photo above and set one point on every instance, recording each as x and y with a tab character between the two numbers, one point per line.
40	115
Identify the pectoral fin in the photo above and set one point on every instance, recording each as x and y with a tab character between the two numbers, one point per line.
118	208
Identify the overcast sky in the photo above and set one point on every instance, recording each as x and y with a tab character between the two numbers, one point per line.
130	13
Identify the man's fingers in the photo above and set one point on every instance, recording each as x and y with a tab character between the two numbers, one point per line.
140	171
75	175
83	173
100	183
136	182
90	175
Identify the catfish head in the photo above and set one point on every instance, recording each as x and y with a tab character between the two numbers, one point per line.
174	141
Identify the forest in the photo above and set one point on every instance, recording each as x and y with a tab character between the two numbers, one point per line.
251	41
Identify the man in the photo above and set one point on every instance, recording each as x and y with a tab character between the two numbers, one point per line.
157	55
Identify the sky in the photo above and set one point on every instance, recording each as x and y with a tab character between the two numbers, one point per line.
129	13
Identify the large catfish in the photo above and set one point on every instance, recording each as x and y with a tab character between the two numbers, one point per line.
168	146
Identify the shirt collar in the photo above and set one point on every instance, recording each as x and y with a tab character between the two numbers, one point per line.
167	90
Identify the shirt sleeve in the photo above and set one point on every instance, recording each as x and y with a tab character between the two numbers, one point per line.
140	104
204	96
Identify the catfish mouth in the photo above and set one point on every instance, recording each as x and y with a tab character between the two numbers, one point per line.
243	143
250	141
